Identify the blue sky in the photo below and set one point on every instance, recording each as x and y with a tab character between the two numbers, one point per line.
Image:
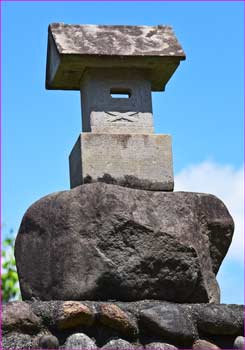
202	106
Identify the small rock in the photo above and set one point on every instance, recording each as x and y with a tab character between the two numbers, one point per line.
171	321
47	311
114	317
79	341
219	319
16	341
118	344
74	314
160	346
18	316
204	345
239	343
48	342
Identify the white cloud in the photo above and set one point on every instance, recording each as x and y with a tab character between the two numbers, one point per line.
225	182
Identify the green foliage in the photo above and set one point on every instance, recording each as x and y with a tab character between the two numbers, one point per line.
10	282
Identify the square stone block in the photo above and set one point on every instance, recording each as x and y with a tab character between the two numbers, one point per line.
116	101
121	123
141	161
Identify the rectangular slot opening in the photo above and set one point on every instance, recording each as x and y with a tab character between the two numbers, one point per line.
116	93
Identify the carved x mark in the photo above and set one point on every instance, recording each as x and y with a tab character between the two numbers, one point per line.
118	116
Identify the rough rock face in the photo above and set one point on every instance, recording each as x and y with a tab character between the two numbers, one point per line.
112	316
159	325
48	342
219	319
74	314
16	341
204	345
239	343
79	341
102	242
118	344
19	316
171	321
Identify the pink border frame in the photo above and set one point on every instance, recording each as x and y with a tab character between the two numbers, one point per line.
1	1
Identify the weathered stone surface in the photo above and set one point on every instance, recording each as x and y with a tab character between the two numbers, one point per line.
18	316
48	342
101	242
114	122
79	341
204	345
102	113
112	316
141	161
14	341
160	346
74	314
220	319
74	48
170	321
239	343
118	344
128	40
48	311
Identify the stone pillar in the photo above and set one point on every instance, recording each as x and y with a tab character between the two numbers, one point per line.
116	101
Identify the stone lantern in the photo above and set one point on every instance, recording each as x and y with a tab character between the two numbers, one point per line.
103	266
116	68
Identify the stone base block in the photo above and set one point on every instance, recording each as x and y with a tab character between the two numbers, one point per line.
142	161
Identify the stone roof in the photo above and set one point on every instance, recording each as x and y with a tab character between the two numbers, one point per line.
74	48
116	40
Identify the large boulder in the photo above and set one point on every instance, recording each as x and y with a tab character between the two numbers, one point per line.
101	242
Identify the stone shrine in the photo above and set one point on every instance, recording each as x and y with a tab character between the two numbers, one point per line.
115	81
120	261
